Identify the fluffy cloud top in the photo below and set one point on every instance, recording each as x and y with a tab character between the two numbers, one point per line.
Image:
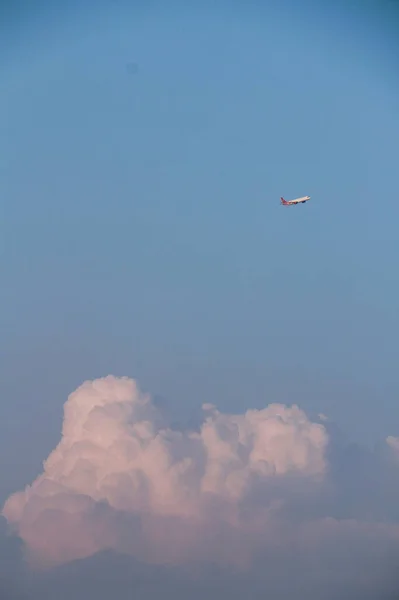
239	488
117	455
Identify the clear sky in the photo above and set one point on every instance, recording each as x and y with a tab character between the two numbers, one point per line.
141	230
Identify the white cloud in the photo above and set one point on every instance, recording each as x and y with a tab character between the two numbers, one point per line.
239	488
393	443
116	450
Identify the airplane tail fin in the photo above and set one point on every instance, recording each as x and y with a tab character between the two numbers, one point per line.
283	201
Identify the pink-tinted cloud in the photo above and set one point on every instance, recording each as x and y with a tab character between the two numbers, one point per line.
122	479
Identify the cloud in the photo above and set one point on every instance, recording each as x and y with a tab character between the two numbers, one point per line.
240	491
393	443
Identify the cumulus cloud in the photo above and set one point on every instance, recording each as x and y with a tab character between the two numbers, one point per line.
239	489
393	443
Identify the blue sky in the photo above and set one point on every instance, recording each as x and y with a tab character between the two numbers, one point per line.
141	228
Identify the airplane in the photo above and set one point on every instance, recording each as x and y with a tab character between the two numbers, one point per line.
301	200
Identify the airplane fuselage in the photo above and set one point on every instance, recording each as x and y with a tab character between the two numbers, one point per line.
301	200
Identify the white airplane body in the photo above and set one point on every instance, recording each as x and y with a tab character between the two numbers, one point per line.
301	200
